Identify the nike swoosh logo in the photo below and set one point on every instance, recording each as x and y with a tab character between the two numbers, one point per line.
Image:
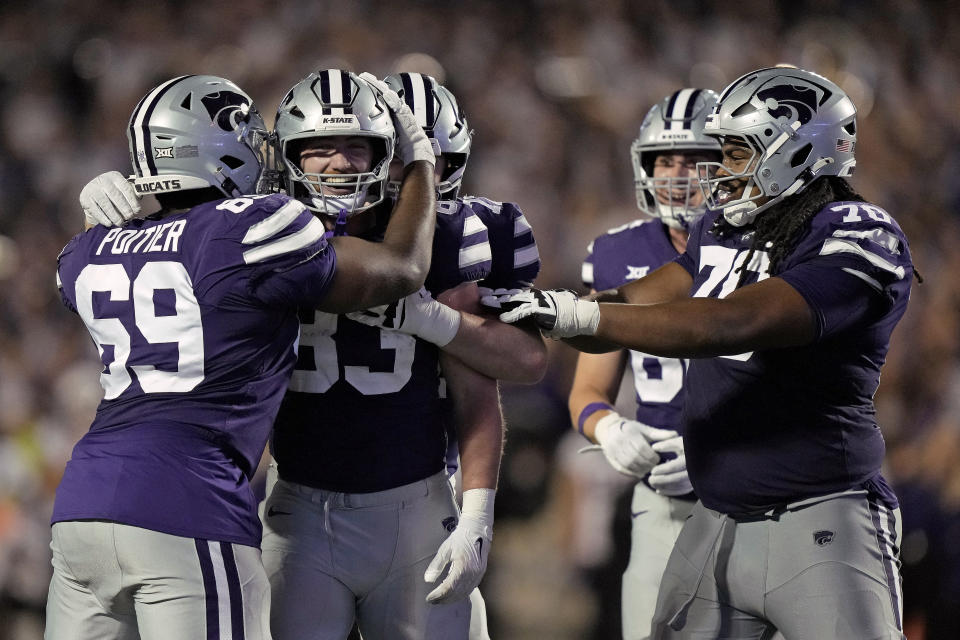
634	514
273	512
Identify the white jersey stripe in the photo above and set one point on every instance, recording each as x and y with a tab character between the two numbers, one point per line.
293	242
878	236
520	226
586	273
860	274
274	224
473	224
525	256
139	144
474	255
834	245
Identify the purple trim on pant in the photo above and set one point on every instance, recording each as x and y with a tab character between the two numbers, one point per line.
210	589
887	543
236	594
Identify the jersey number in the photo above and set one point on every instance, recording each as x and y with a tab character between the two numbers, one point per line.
326	370
184	328
724	264
662	388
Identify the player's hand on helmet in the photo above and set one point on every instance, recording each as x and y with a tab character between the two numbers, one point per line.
109	199
670	477
465	550
417	315
496	298
560	313
412	142
627	444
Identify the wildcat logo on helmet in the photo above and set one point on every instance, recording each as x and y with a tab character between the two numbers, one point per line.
164	152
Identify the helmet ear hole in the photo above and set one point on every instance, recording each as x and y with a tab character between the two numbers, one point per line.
232	162
800	155
851	127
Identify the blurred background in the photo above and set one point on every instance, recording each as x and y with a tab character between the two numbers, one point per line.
555	90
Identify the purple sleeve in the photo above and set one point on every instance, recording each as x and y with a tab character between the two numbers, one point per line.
516	258
852	268
275	252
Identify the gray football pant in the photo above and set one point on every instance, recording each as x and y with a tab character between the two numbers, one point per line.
335	557
113	581
656	523
823	568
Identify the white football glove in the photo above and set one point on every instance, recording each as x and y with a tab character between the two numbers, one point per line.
109	199
496	298
626	444
560	313
418	315
466	550
670	477
412	142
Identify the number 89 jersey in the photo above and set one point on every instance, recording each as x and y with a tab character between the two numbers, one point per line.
362	412
194	317
622	255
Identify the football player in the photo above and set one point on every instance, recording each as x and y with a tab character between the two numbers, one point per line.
785	300
194	313
665	155
359	441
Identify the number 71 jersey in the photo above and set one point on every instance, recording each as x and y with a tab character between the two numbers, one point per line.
194	317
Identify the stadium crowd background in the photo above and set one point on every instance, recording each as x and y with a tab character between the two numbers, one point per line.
555	90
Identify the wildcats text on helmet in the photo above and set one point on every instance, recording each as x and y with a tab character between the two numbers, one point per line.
158	186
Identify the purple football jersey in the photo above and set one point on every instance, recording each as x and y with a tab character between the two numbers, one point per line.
516	259
362	412
622	255
769	427
195	319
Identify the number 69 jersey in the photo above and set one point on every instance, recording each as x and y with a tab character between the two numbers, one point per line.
768	427
624	254
194	316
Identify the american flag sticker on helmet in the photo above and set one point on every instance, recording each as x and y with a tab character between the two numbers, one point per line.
846	146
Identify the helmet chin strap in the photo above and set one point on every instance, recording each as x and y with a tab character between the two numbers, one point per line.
742	213
334	205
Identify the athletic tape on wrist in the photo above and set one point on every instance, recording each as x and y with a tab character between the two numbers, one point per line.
588	411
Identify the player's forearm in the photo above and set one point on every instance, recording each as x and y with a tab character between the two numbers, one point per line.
596	382
767	315
499	350
479	423
409	235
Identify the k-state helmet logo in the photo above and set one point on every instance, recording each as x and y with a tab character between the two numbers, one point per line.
449	523
823	538
790	101
164	152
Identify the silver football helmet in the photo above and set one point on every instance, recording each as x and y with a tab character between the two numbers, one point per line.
798	125
442	120
330	103
194	132
673	125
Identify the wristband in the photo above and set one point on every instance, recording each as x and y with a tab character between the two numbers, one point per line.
588	411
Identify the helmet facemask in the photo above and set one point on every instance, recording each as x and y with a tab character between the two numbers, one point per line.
362	190
797	125
671	127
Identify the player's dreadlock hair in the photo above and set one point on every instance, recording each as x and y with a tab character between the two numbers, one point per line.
782	226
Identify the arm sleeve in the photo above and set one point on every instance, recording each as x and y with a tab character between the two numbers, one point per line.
853	271
461	248
275	253
516	258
